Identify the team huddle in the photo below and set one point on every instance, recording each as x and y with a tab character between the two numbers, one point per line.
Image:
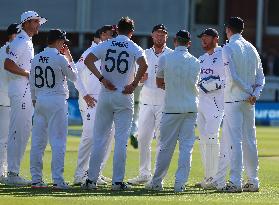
178	92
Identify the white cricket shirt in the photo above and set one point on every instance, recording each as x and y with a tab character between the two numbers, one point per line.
87	83
20	51
118	58
4	98
212	66
243	69
49	73
150	93
180	71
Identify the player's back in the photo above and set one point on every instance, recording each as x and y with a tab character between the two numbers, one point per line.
118	57
49	73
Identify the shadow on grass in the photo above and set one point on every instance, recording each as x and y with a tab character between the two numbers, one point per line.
101	191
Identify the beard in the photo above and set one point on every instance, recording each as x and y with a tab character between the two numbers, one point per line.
159	44
208	46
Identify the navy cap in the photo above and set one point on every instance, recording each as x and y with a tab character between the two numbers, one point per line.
183	34
161	27
56	34
12	29
235	23
209	32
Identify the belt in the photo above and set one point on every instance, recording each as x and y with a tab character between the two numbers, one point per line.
236	101
176	113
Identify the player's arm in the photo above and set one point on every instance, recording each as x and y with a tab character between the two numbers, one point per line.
230	66
14	50
90	63
67	65
160	73
141	61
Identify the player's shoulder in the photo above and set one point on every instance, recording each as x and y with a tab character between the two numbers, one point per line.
167	50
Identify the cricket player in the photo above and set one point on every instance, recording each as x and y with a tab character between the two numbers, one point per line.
49	91
115	104
151	106
244	83
18	63
5	108
178	74
211	101
89	87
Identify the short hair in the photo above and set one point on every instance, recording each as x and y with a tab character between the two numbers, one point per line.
236	24
126	25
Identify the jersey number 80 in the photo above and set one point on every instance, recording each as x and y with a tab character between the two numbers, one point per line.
44	75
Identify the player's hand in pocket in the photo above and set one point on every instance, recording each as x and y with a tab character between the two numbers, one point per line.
90	101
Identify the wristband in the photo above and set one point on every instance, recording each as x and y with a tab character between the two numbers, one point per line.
101	78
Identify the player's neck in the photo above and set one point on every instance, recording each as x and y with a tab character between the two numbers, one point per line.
158	49
210	51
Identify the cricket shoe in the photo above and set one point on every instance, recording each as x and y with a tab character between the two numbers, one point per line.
120	186
13	179
39	185
78	181
231	188
106	179
61	186
3	179
201	183
153	187
141	179
178	187
249	187
100	181
88	184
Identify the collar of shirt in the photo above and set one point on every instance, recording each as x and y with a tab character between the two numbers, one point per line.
181	48
52	49
122	37
25	35
235	37
158	54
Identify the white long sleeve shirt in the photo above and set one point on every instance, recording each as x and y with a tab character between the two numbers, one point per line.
150	93
87	83
212	67
180	71
49	73
243	70
4	98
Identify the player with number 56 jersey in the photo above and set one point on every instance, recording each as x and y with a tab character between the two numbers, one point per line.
115	104
48	80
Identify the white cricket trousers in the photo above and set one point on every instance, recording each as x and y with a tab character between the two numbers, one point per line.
88	115
50	123
19	129
113	106
173	128
241	130
210	115
4	132
149	125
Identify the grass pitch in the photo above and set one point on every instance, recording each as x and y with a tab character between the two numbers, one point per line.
268	145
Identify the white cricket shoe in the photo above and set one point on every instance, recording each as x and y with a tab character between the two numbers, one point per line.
88	184
78	181
61	186
13	179
201	183
120	186
250	187
231	188
153	187
39	185
106	179
3	179
100	181
141	179
179	187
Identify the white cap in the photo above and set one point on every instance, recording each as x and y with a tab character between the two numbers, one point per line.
28	15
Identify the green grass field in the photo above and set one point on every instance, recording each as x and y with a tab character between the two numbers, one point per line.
268	144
